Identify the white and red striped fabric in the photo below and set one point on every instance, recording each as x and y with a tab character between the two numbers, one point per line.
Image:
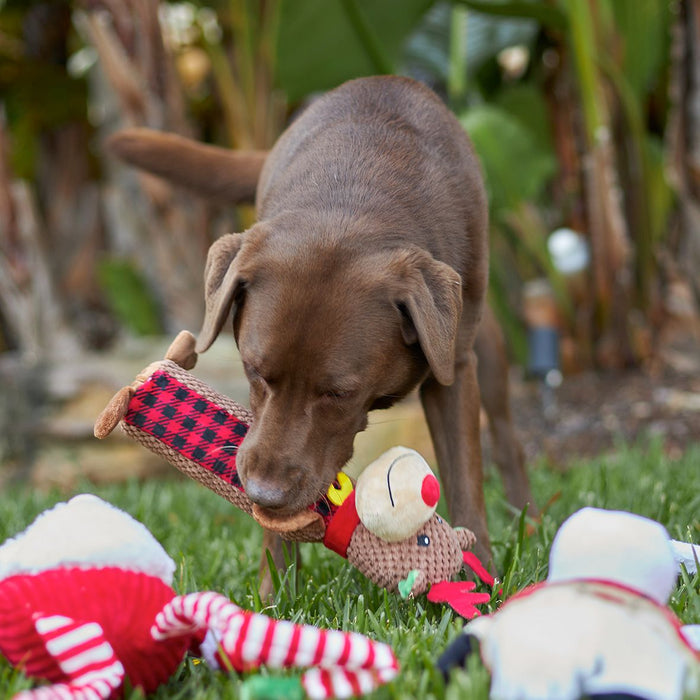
85	657
346	663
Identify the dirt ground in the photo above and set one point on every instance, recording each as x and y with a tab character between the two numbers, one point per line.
593	411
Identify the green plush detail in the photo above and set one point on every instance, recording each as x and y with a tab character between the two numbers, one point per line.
406	585
267	688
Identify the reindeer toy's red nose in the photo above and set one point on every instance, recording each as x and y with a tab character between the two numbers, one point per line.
430	491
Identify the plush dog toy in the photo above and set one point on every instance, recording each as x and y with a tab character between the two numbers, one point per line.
86	602
386	525
598	626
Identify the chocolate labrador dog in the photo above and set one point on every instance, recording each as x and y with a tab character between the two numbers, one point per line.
364	277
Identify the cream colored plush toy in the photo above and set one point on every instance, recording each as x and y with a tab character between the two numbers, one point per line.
598	627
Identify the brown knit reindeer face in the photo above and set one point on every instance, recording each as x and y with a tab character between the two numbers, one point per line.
400	536
434	552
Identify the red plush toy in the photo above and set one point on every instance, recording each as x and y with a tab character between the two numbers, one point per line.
86	603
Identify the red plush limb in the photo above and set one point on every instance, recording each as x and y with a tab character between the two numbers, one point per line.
186	614
64	691
323	683
473	562
460	596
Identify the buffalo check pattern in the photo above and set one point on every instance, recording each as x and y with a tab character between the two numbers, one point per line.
197	428
189	423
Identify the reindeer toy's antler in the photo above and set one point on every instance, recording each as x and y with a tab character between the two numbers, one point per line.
386	526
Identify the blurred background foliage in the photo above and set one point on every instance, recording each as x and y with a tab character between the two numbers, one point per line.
584	113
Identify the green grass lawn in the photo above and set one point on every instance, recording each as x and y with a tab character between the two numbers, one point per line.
217	547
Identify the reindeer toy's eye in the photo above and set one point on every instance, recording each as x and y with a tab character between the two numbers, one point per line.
423	540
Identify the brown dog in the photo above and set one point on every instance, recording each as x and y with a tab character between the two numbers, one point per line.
364	277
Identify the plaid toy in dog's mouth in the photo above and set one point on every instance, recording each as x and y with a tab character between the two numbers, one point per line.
189	423
200	432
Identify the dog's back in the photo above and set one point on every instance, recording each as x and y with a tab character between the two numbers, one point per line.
384	151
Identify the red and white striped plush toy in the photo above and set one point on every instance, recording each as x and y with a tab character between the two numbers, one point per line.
86	603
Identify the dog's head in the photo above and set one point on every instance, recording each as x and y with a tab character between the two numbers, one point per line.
326	333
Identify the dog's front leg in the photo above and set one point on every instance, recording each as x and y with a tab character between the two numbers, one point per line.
282	553
452	413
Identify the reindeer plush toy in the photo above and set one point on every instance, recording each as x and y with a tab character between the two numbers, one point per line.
386	525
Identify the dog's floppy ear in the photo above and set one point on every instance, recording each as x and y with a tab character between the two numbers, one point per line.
430	304
222	282
225	278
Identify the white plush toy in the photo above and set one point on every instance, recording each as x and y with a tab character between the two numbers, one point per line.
598	626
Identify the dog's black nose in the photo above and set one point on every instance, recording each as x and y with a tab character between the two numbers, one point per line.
266	494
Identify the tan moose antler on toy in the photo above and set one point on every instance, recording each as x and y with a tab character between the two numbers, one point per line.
386	525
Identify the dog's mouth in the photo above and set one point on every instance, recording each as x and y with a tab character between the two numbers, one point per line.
280	520
306	521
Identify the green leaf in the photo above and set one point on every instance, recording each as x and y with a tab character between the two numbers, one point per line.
585	51
660	193
324	42
427	50
526	103
643	29
546	14
128	296
38	97
516	168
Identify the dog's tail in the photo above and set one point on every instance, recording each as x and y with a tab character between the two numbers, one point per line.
216	173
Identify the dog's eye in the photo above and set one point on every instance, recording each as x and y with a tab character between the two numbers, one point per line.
253	374
336	394
250	371
423	540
